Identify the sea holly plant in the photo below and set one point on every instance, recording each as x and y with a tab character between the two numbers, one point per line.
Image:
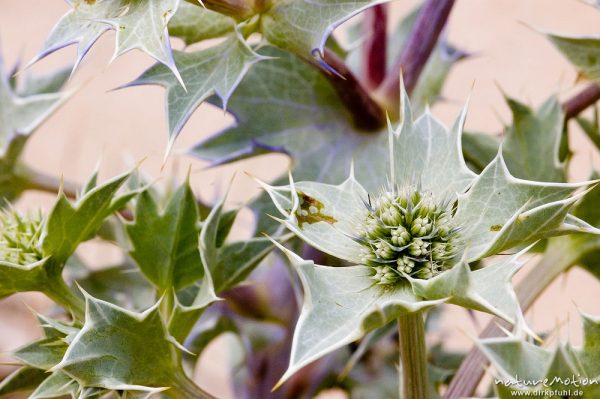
393	214
410	243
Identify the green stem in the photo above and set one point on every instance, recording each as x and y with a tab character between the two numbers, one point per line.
59	292
167	304
413	357
185	388
39	181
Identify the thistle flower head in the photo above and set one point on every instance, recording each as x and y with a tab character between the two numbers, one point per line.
19	235
406	232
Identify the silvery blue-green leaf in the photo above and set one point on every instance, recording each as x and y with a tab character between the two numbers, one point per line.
302	26
81	25
215	70
229	263
125	285
22	110
140	24
500	211
185	315
43	354
582	51
513	356
22	278
56	385
24	379
144	27
49	350
21	114
323	215
121	350
424	153
298	114
165	241
341	304
49	83
237	260
532	143
194	23
69	224
488	289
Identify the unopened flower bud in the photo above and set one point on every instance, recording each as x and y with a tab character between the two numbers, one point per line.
400	236
418	247
421	227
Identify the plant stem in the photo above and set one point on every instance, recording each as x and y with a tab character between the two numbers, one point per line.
237	9
375	45
581	101
557	259
367	114
49	184
419	45
413	357
185	388
60	293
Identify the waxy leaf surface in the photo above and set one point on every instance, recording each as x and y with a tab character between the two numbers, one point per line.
70	224
194	23
120	350
303	26
140	24
165	242
215	70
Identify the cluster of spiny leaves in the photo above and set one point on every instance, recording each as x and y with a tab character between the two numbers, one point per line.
104	347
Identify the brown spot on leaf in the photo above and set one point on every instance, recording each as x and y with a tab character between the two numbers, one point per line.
496	227
311	211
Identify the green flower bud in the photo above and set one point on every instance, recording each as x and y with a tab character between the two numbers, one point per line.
400	236
418	247
421	227
19	236
391	216
384	251
411	229
385	275
367	256
405	264
373	228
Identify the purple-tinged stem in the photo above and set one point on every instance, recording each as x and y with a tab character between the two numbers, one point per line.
419	46
575	105
375	45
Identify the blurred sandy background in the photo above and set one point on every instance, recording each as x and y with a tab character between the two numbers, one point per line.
130	125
